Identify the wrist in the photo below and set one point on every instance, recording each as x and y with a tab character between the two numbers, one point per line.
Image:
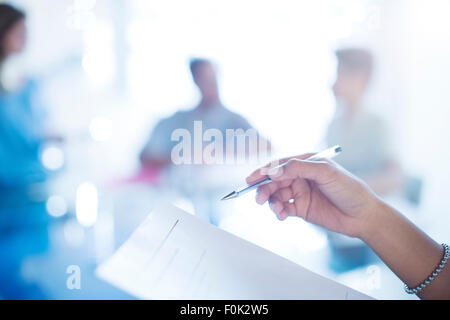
377	217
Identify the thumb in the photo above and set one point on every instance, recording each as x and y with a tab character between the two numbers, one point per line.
320	172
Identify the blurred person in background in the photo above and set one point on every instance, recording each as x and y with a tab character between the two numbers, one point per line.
365	138
23	217
363	135
193	181
210	110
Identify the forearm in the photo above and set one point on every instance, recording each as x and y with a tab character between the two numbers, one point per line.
407	251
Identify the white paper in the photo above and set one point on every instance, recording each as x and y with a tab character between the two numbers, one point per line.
174	255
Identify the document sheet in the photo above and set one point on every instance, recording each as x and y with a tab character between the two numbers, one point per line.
175	255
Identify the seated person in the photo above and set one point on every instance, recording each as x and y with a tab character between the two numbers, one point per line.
363	135
366	142
210	111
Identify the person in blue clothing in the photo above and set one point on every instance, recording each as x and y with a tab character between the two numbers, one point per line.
23	217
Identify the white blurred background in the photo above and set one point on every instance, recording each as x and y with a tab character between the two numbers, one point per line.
111	69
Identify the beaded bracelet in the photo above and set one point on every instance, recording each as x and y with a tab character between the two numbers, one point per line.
433	276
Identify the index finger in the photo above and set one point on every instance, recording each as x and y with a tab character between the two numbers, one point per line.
266	191
261	173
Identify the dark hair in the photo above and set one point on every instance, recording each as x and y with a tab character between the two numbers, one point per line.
355	59
8	17
195	63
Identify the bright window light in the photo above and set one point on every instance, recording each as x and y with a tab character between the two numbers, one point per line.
84	5
101	129
87	204
98	61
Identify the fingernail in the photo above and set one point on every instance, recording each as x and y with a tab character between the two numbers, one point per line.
275	206
275	171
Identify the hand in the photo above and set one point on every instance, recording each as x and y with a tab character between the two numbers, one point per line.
322	193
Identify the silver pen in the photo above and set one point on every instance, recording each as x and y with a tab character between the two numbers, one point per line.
326	154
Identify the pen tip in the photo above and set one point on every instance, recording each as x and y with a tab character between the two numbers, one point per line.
230	196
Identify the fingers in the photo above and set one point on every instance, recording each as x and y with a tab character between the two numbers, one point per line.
262	173
276	206
293	200
283	194
320	172
290	181
282	209
280	200
264	192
